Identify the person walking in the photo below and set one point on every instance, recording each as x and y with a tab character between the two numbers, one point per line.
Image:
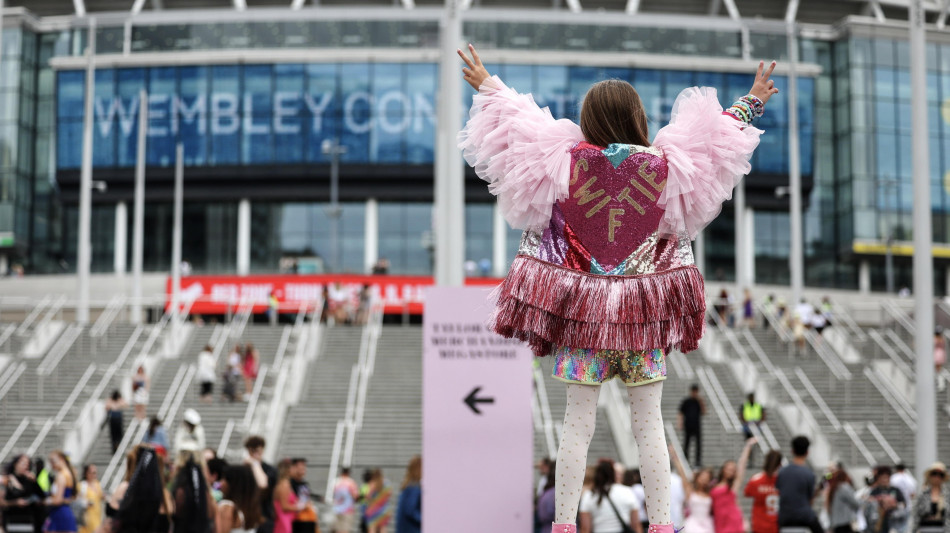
345	493
206	373
748	309
691	411
932	505
92	496
273	309
191	434
727	517
114	408
609	507
761	488
378	509
751	413
140	387
249	367
796	488
409	506
156	436
842	503
232	373
64	490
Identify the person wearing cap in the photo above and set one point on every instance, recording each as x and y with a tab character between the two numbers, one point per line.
885	508
932	504
190	436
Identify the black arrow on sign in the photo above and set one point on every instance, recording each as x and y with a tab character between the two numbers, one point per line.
471	400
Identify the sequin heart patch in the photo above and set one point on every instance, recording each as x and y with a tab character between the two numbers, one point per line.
612	209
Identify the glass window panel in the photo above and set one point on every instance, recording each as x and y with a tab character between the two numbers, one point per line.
885	114
357	113
225	115
884	82
884	52
324	108
420	88
258	98
191	115
291	129
392	110
886	152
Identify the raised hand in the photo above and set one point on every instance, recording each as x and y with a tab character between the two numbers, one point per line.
763	88
475	73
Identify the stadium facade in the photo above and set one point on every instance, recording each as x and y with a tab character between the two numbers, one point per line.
253	95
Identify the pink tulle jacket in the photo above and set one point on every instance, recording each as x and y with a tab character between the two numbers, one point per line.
606	259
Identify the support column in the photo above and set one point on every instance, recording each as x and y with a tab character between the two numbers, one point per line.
244	237
499	261
742	278
864	276
796	254
749	220
946	282
84	244
926	443
371	235
449	219
121	238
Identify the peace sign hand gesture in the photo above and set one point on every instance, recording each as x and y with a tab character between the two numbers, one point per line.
475	72
763	88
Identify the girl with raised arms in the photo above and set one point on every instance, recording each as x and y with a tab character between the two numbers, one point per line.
605	280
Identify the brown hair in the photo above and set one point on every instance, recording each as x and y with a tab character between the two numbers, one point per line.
773	461
414	472
612	112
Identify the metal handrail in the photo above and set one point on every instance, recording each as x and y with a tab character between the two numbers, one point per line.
31	317
776	323
226	438
723	412
108	316
901	345
899	316
111	477
59	350
14	437
859	444
12	376
904	410
282	348
255	397
797	400
74	395
899	362
117	364
335	455
886	446
7	334
40	437
842	316
816	396
831	360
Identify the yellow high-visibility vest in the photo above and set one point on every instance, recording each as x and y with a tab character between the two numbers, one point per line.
751	412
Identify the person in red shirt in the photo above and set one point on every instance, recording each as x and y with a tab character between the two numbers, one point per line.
761	488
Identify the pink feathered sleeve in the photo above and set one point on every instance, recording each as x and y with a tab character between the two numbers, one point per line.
521	151
707	154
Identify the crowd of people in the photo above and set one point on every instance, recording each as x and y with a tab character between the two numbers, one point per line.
783	496
195	491
803	317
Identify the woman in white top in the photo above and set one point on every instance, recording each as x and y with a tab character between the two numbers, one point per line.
607	503
206	373
240	509
698	502
140	387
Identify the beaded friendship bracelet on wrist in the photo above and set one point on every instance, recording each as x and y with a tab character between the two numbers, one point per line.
746	108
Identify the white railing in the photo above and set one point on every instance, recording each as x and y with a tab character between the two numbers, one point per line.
40	437
49	363
777	323
335	455
74	395
226	438
30	318
859	445
897	315
886	446
898	342
364	368
843	317
14	437
116	468
108	316
255	397
828	356
7	334
818	399
724	412
10	377
904	410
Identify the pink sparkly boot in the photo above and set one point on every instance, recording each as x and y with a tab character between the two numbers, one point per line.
564	528
666	528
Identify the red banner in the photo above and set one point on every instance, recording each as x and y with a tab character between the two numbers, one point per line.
217	295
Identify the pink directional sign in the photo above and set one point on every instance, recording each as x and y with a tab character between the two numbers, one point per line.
477	443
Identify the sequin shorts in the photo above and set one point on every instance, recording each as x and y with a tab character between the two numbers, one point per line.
593	367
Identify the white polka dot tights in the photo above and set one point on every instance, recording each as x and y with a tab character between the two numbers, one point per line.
578	430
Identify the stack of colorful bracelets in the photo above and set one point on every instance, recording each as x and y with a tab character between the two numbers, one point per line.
746	108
